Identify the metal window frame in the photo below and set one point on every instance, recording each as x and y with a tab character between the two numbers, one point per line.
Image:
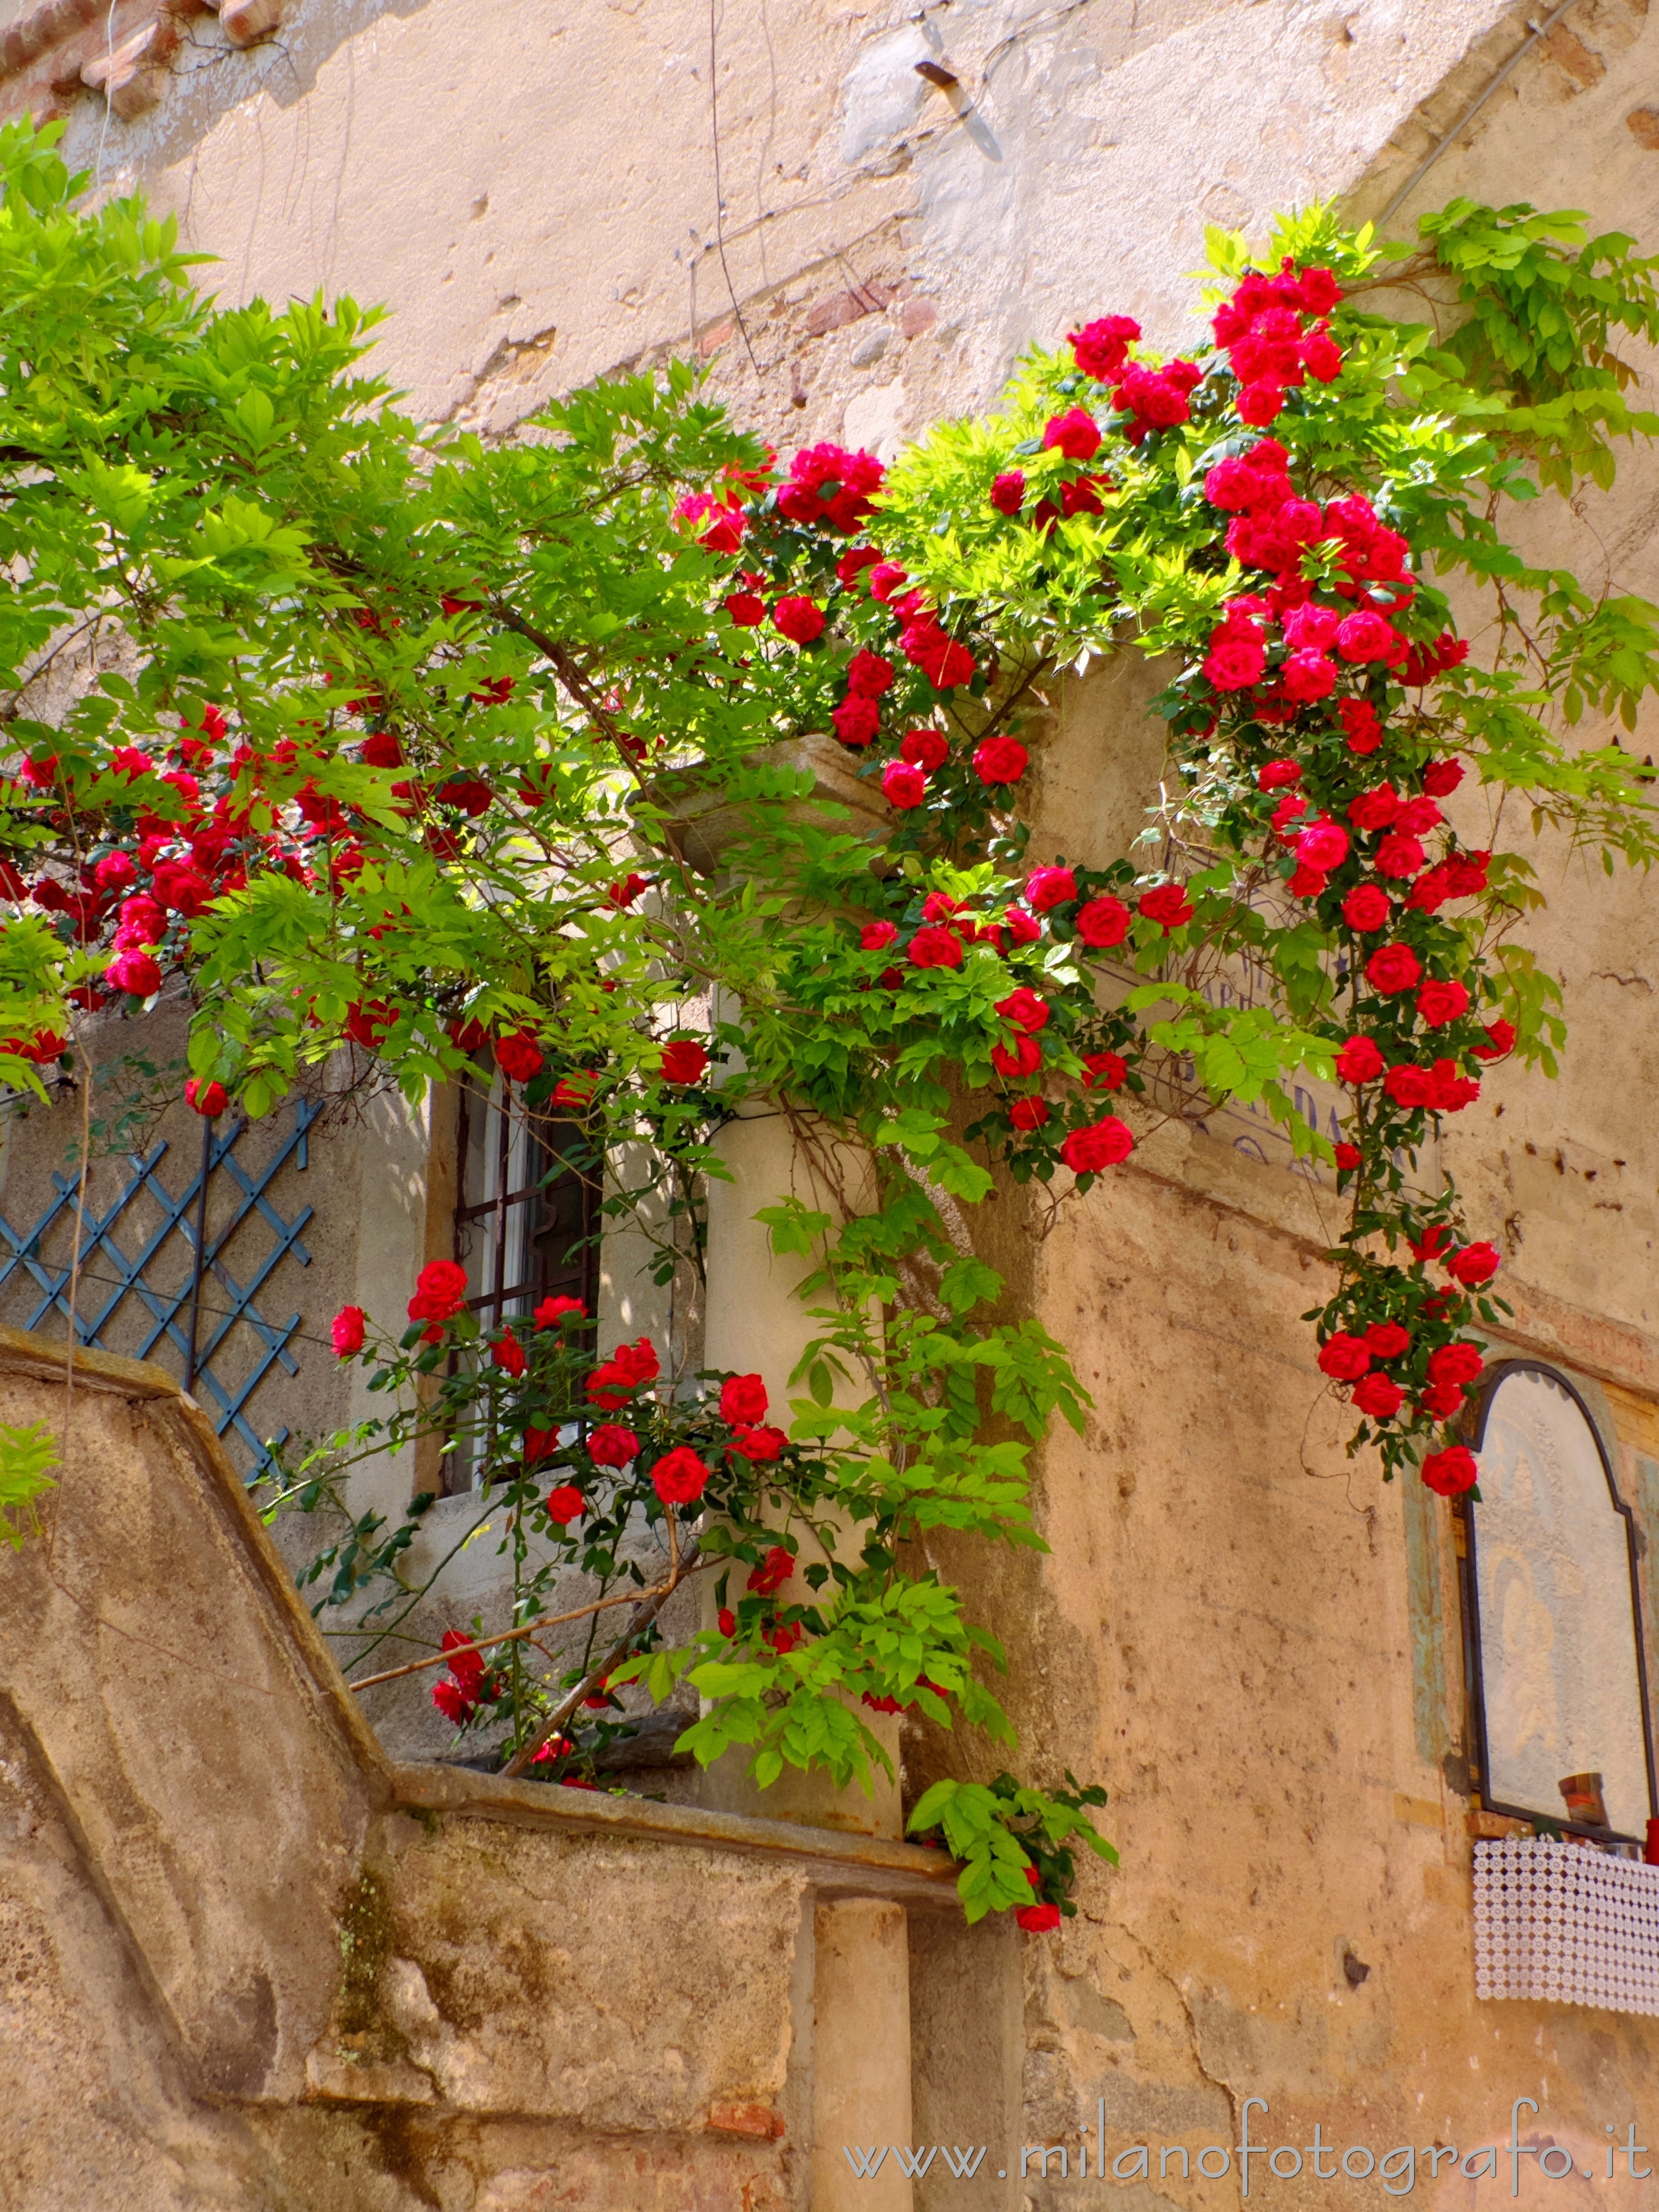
1474	1430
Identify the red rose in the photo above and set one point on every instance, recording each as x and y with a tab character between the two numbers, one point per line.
1008	492
1344	1357
1275	774
1260	404
1307	676
1105	1072
1023	928
1101	348
539	1444
1359	1060
726	1621
552	1312
1400	855
1322	356
210	1100
1348	1157
1025	1008
1374	1395
1038	1919
1440	1003
1366	908
925	748
622	893
684	1060
611	1445
1358	719
1387	1339
1417	816
746	609
798	619
1050	887
876	936
1442	1401
1500	1039
1365	636
1022	1058
1460	1361
774	1571
440	1292
1410	1087
1167	903
1100	1145
743	1400
638	1362
1000	760
1451	1471
1322	845
1236	659
519	1057
1441	777
935	947
856	719
680	1477
761	1445
1232	485
508	1354
1474	1265
1029	1113
903	786
1432	1243
574	1091
1076	434
112	874
1394	968
134	973
565	1505
1307	883
868	675
1376	809
1102	923
348	1331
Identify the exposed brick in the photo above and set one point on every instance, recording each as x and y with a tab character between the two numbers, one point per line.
843	307
1643	124
745	2120
919	315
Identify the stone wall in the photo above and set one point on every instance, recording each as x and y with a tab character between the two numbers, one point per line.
245	1959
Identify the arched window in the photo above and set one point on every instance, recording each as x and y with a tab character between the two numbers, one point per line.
1557	1680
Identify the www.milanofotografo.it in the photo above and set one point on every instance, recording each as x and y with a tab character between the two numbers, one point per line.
1396	2168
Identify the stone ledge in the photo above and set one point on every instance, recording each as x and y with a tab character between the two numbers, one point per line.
836	1865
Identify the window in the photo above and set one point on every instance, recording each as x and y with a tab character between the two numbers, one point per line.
527	1212
1553	1652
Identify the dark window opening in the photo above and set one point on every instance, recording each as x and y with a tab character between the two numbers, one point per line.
526	1218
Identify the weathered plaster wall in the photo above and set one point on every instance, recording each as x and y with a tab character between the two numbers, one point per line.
891	245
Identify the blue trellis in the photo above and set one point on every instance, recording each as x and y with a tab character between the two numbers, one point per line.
169	1310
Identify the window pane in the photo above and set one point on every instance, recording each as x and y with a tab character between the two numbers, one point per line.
1558	1631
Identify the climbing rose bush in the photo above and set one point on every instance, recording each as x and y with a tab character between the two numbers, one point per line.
387	753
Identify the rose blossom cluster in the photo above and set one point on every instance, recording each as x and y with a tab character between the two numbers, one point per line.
612	1400
1276	335
940	931
171	826
1304	675
830	488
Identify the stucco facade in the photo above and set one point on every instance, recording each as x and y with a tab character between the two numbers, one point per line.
1256	1645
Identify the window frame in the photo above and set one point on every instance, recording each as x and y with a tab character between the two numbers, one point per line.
1472	1429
